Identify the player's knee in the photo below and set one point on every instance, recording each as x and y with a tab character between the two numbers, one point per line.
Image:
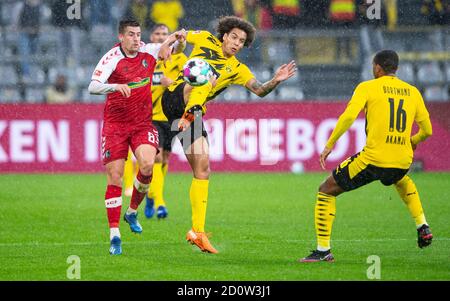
146	167
330	187
202	172
115	178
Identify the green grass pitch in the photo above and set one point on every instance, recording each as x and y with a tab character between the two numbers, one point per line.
261	224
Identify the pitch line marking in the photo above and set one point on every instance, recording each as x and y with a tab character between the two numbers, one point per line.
89	243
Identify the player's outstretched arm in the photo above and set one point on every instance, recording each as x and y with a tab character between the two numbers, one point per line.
284	72
346	119
343	124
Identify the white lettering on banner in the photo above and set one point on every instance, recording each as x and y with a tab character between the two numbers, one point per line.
214	127
48	141
359	127
91	140
323	132
20	139
3	156
300	145
303	140
265	141
270	141
241	139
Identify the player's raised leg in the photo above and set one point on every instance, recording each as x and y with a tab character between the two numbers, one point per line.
198	157
113	203
145	155
410	196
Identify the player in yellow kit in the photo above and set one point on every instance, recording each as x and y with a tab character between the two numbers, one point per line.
391	106
184	105
162	78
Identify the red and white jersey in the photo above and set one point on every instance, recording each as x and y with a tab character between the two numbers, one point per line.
116	68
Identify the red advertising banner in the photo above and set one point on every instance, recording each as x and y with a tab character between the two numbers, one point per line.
273	137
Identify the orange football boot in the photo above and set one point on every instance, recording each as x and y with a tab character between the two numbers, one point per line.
200	239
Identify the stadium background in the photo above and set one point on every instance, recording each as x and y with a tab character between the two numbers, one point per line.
49	124
40	44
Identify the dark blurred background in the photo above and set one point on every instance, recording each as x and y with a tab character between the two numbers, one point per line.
49	48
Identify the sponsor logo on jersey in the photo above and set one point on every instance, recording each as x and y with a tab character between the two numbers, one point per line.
137	83
157	78
97	73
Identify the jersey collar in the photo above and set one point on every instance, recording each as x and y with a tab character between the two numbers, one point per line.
124	54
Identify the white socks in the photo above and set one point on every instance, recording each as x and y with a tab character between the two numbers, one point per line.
113	232
131	210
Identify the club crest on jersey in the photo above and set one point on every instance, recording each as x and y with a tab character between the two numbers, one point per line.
144	63
228	69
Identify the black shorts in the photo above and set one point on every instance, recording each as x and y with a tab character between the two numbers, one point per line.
165	134
173	107
364	174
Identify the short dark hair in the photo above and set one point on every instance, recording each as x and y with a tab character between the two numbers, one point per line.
158	25
388	60
127	22
226	24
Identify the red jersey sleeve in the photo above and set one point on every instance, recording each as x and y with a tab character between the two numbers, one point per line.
107	65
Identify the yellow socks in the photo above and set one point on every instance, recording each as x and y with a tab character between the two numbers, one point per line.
324	214
157	185
164	168
410	196
199	199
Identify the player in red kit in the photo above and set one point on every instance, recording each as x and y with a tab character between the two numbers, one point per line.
124	74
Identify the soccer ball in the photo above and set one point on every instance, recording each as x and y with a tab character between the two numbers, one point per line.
196	72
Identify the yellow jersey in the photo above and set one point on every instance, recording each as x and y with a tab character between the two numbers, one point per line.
228	71
391	106
173	67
